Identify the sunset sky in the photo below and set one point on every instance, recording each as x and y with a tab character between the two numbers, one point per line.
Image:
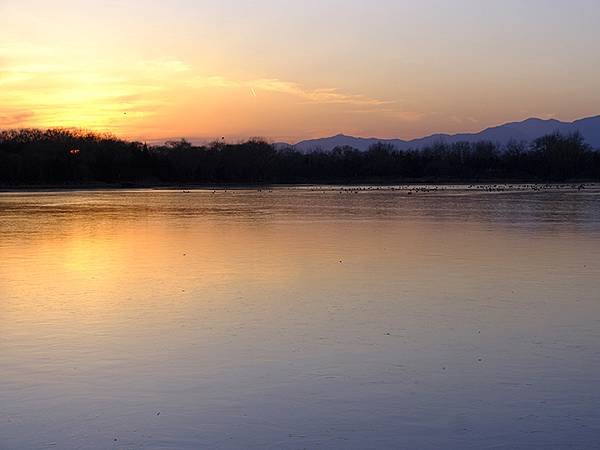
288	70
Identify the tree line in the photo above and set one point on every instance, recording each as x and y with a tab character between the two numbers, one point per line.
59	157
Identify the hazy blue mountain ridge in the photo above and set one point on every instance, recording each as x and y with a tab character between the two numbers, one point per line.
527	130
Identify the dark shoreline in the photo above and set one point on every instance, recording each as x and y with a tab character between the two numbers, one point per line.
403	185
51	159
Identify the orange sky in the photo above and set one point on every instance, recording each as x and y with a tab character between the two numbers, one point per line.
294	70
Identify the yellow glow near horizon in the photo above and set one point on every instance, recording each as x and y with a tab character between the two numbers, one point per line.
291	71
153	97
79	91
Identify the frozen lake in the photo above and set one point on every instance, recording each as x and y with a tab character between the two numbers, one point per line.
300	318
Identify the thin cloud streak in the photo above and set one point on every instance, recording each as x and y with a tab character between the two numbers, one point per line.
40	88
319	95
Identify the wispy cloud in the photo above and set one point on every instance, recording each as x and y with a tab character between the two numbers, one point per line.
39	88
14	119
274	85
42	88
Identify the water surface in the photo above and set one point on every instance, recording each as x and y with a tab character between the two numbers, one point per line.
296	318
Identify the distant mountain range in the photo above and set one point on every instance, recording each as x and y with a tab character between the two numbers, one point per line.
527	130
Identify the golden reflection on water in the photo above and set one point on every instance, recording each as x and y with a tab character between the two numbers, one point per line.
83	258
236	308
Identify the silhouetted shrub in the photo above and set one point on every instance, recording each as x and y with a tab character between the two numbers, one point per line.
67	157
